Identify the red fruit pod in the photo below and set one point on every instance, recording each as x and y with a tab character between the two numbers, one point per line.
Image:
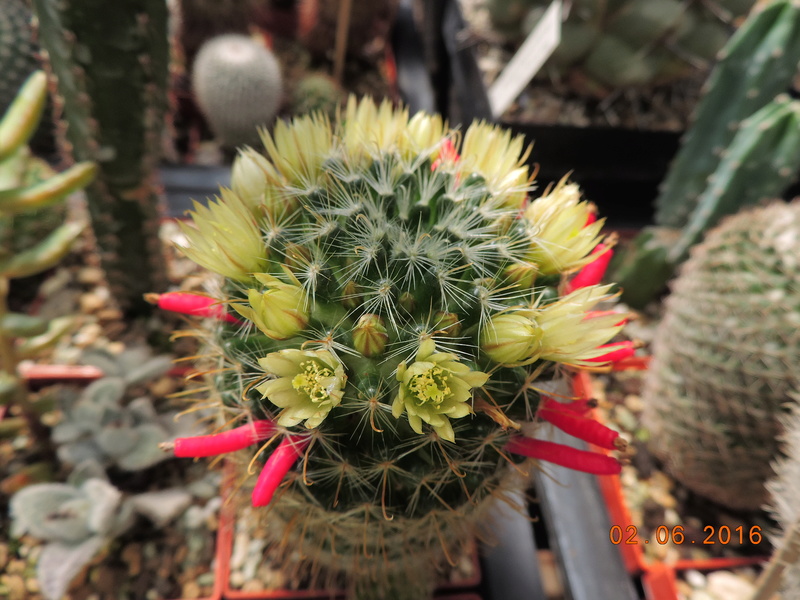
583	428
580	406
566	456
191	304
592	273
278	464
225	442
617	351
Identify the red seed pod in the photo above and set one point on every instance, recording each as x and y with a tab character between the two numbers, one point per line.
278	464
579	407
566	456
191	304
227	441
593	273
583	428
623	319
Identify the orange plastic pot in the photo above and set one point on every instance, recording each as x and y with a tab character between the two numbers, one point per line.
659	580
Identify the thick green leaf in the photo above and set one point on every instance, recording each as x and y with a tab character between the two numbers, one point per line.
44	255
21	325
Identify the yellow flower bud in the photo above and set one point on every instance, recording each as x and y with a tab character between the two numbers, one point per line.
523	274
279	312
369	336
558	223
249	177
226	238
511	338
447	323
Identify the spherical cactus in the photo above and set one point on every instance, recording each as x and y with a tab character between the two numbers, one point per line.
394	301
316	92
725	356
237	85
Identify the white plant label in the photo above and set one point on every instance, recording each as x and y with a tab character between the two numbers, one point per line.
535	50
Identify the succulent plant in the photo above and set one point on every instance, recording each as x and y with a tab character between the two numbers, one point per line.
77	519
24	336
105	426
630	43
743	146
316	92
111	72
397	300
725	355
238	87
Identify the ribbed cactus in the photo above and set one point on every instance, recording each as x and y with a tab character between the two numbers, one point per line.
397	301
111	68
238	87
17	49
743	146
23	336
630	42
725	356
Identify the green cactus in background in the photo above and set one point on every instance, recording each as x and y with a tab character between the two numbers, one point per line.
316	92
23	336
743	146
398	300
725	356
627	43
17	49
111	67
238	87
783	570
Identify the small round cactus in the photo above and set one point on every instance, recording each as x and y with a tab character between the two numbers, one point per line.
397	298
725	356
238	87
316	92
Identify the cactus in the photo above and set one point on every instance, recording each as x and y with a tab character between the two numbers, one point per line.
238	87
79	518
724	356
632	43
761	162
756	65
17	49
783	569
739	127
23	336
111	70
316	92
397	301
105	425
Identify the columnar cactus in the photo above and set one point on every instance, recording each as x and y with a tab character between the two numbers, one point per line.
725	356
393	301
238	87
17	49
111	68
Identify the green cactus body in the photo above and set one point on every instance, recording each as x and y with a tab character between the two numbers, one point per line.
758	63
17	49
724	357
237	84
111	68
629	43
317	92
392	306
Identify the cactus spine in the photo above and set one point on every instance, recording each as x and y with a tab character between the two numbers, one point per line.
724	357
740	128
237	84
111	71
399	299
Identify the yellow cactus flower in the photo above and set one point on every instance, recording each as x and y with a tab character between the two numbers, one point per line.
298	149
511	337
424	132
491	151
369	129
225	238
568	336
308	384
558	222
435	388
279	312
250	175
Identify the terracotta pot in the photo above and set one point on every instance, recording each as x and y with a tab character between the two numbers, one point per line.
225	535
659	580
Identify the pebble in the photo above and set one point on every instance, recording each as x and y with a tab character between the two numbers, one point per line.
90	303
15	586
91	275
726	585
191	589
3	555
695	578
633	402
88	335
